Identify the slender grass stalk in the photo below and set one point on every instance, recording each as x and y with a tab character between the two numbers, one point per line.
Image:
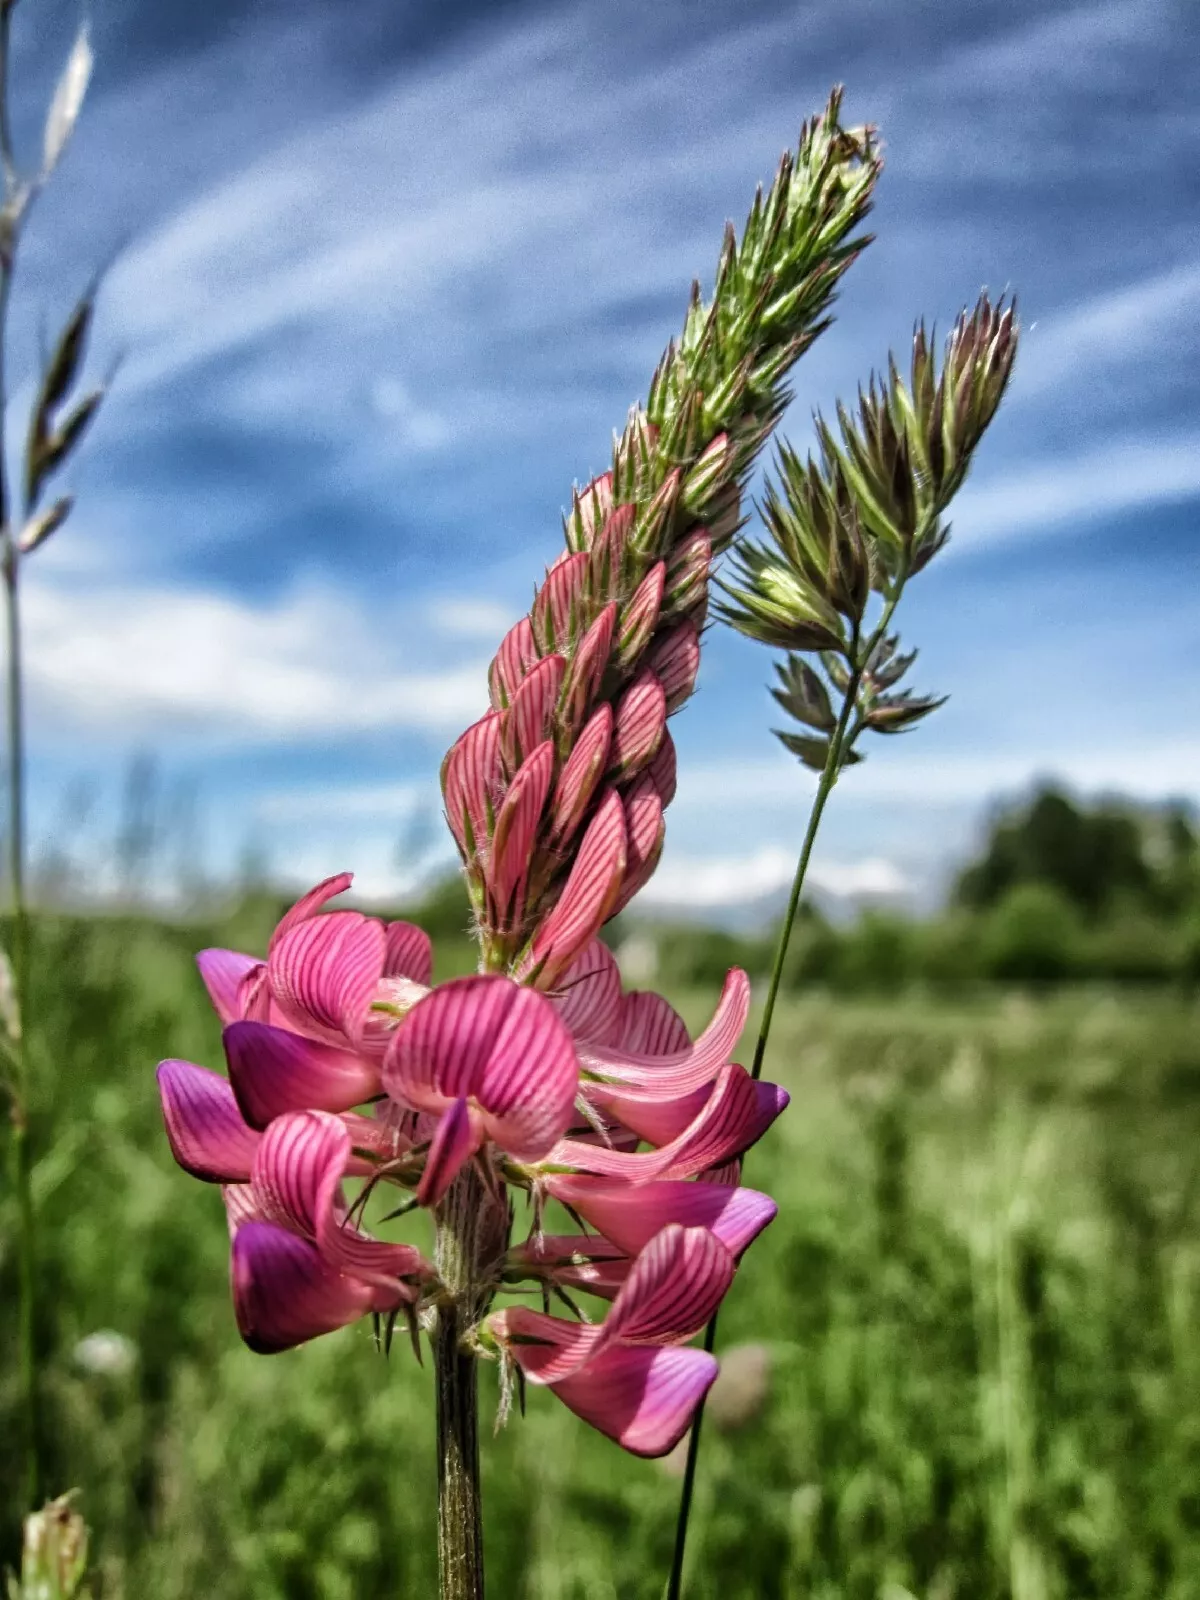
20	1151
842	738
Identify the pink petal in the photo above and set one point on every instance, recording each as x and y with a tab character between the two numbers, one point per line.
631	1214
642	1398
587	899
308	905
675	662
285	1293
588	997
297	1176
452	1146
204	1126
325	971
500	1044
658	1121
659	1076
530	719
678	1280
407	952
661	770
639	722
641	616
586	670
737	1113
593	503
222	972
254	1003
240	1206
516	656
470	783
646	830
651	1026
575	1260
545	1348
273	1070
556	609
687	572
517	825
577	782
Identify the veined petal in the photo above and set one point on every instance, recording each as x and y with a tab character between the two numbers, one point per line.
587	666
651	1026
407	952
517	654
639	722
658	1121
273	1071
631	1214
677	1282
645	831
588	896
240	1206
517	827
588	997
642	1397
284	1292
675	662
453	1144
308	905
683	1070
324	971
222	972
471	781
545	1348
737	1114
502	1045
575	1260
661	770
207	1135
297	1176
556	608
578	779
530	718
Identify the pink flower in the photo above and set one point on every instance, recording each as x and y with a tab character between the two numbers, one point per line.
626	1375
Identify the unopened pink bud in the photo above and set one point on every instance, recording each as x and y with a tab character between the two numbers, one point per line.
555	618
639	722
676	661
645	831
530	718
517	654
579	777
641	616
587	667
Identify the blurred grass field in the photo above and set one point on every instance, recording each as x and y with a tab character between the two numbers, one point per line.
980	1307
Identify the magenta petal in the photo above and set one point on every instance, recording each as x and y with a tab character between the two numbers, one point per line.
284	1293
683	1070
297	1177
223	971
308	905
205	1128
545	1348
452	1145
517	828
631	1214
643	1398
737	1114
407	952
588	896
325	971
273	1071
673	1288
651	1026
502	1045
588	997
658	1122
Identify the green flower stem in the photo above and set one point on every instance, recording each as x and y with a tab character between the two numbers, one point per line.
842	737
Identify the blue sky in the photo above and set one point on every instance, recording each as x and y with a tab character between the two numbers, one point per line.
387	276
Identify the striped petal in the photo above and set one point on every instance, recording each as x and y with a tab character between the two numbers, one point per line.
646	831
297	1177
582	772
575	1260
651	1026
273	1071
661	770
677	1282
736	1115
557	606
453	1144
207	1135
407	952
285	1293
658	1121
642	1398
684	1070
471	782
588	997
588	662
546	1349
516	833
588	896
639	722
222	972
530	718
641	616
323	972
308	905
499	1044
631	1214
516	656
675	662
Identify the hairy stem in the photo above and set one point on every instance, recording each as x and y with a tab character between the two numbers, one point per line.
839	741
468	1234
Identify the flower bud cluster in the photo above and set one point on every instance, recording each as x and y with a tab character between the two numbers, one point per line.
556	796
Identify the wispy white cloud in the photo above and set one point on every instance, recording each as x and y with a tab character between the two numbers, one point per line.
719	882
165	662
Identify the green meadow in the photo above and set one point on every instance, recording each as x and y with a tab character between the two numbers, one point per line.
967	1352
